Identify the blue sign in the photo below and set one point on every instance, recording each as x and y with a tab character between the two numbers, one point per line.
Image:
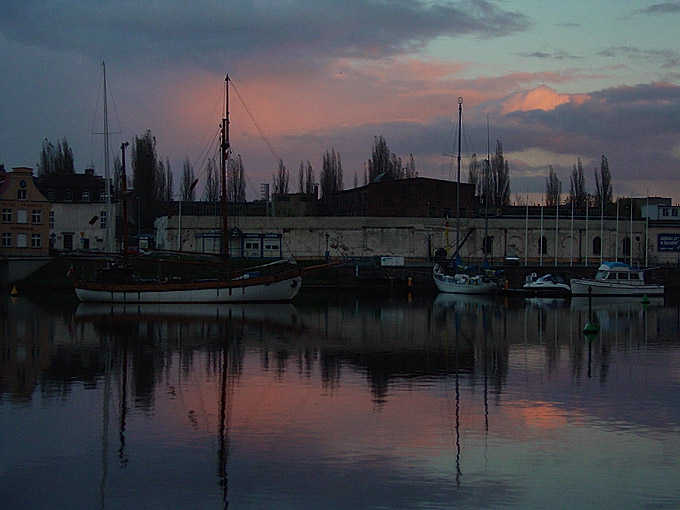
669	242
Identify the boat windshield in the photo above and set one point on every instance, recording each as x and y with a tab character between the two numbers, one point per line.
601	275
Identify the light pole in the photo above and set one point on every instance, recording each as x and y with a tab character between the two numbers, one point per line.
139	225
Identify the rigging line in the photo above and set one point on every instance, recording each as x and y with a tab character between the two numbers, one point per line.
259	129
209	148
467	138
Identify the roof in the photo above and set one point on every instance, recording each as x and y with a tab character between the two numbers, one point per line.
608	266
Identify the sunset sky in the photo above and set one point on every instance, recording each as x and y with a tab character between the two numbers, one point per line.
582	79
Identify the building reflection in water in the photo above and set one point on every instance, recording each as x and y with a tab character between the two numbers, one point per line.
144	356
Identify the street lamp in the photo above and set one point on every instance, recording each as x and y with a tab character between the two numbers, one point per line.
138	223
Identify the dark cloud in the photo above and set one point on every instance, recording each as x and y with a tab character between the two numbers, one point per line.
662	8
633	126
665	58
210	31
556	55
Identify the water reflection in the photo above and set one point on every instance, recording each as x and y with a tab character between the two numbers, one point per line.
340	401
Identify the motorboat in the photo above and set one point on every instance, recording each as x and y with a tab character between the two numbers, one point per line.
616	279
547	284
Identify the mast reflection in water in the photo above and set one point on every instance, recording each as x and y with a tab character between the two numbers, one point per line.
340	401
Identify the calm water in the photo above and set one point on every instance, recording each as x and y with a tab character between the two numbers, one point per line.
340	402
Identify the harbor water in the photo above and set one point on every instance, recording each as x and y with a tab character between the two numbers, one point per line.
340	400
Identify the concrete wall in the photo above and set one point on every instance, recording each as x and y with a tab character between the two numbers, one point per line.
419	238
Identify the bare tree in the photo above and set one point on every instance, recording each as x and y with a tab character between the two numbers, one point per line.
501	178
475	174
553	188
603	184
236	182
281	178
169	192
410	169
212	182
56	159
577	191
385	163
301	177
309	178
160	182
331	174
145	167
186	189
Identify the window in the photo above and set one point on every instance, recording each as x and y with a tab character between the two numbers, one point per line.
21	194
674	212
36	216
487	245
51	219
50	194
21	241
626	246
68	195
102	219
664	212
597	246
7	215
85	196
22	216
542	246
36	241
6	240
102	196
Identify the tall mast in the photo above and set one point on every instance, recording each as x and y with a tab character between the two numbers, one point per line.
460	122
123	146
223	167
107	173
487	171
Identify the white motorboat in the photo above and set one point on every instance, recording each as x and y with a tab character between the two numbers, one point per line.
548	284
616	279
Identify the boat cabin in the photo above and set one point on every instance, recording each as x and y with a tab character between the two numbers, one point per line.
619	272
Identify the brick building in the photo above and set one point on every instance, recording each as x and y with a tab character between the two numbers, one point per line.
24	227
420	197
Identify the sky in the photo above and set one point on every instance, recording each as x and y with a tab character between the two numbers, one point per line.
552	83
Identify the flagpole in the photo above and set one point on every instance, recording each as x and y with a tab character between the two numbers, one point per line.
571	235
616	256
526	233
540	241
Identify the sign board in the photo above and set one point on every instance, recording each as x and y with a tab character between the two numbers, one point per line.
392	261
669	242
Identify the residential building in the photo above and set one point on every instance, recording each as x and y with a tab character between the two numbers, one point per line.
79	217
24	227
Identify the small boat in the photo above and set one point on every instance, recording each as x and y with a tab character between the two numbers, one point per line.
462	283
548	284
616	279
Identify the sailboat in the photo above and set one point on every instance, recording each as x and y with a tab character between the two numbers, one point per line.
119	283
461	282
